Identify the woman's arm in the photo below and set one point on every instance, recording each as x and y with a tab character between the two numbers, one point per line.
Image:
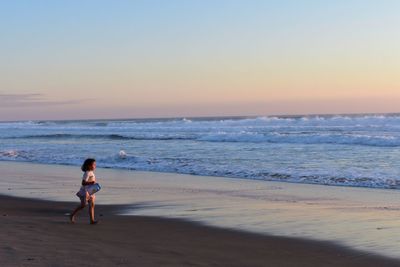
87	183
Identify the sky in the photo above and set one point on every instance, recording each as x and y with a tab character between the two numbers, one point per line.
97	59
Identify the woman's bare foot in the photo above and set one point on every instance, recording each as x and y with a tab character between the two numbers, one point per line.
72	218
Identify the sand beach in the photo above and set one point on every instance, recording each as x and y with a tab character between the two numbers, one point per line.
152	219
35	233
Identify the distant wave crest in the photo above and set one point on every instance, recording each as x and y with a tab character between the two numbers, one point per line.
302	137
98	136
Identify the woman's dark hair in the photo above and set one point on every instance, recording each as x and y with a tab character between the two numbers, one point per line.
86	166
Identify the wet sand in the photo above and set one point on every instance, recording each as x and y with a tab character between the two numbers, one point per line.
37	233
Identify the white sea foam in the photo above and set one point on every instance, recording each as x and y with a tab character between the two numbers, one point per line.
9	153
122	154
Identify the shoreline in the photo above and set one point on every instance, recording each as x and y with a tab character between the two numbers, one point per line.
393	188
37	233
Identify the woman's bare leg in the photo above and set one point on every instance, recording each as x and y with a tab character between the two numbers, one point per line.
78	208
91	211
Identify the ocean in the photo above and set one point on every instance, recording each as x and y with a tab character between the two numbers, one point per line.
342	150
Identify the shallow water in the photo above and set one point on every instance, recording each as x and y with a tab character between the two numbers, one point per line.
362	218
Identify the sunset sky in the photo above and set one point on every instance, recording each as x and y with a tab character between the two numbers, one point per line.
131	59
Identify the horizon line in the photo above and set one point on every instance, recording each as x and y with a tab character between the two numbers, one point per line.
213	117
